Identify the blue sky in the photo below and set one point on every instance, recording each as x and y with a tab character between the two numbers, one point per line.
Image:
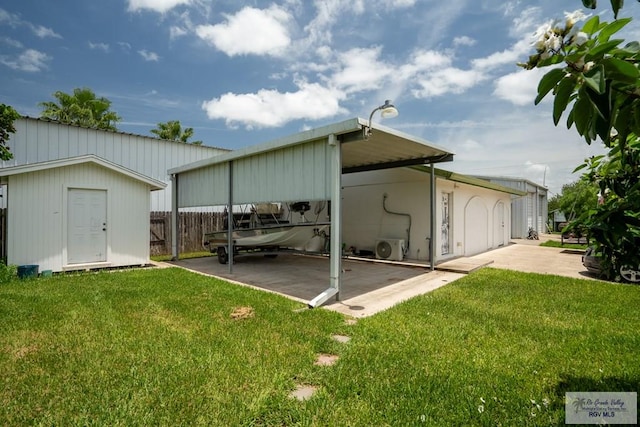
246	72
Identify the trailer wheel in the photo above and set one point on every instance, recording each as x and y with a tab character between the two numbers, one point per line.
223	256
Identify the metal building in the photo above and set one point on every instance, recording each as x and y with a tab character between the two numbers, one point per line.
529	211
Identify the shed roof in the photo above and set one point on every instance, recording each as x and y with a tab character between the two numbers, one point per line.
70	161
385	148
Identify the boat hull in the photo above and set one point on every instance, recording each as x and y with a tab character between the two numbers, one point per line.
295	236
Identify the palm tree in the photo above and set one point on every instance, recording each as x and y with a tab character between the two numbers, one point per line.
81	108
172	130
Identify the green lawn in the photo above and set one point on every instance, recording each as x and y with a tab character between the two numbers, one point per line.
557	244
160	347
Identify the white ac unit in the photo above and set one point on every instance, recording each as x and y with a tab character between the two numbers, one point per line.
390	249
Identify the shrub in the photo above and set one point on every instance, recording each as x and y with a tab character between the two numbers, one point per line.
7	272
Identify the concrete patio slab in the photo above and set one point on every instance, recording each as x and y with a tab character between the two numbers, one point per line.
369	287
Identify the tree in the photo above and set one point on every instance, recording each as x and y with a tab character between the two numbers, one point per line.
7	116
81	108
596	80
576	198
172	130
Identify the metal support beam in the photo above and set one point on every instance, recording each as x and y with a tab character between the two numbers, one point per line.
432	240
174	219
335	257
230	219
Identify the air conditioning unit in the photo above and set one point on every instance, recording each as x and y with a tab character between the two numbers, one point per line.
390	249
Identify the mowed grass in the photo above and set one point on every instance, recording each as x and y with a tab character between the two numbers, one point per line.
557	244
161	347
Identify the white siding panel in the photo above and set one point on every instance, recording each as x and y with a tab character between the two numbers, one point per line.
38	216
38	140
204	187
300	172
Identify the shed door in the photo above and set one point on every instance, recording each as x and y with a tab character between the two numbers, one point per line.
87	228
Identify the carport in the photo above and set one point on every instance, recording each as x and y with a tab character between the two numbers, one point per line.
304	166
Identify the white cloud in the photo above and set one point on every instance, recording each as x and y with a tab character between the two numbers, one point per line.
125	46
508	56
464	41
250	31
519	88
526	22
14	20
361	70
99	46
44	32
270	108
10	19
399	3
11	42
30	61
175	32
149	56
160	6
447	80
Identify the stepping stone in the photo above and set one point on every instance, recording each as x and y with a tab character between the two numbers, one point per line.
326	359
341	338
303	392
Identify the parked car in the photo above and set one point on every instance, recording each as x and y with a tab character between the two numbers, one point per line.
592	263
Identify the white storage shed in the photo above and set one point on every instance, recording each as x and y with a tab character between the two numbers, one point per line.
77	213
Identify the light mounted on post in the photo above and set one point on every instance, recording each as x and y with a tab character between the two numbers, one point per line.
387	111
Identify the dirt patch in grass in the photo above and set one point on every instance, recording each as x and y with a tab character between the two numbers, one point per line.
239	313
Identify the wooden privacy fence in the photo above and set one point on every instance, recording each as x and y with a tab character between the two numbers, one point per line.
192	226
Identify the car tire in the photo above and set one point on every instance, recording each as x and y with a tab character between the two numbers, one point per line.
630	275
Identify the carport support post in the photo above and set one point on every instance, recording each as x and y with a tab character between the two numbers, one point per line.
335	258
174	218
432	240
230	220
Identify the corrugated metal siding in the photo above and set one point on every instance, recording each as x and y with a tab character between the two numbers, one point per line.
203	187
38	216
38	140
300	172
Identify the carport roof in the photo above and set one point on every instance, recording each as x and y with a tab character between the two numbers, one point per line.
385	148
471	180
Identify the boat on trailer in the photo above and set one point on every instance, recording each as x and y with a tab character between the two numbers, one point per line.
257	236
267	240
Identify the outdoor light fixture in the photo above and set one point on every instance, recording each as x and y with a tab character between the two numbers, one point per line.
387	111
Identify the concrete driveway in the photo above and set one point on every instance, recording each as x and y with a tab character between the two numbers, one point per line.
527	256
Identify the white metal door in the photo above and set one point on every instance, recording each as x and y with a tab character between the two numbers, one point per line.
445	228
498	225
87	226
